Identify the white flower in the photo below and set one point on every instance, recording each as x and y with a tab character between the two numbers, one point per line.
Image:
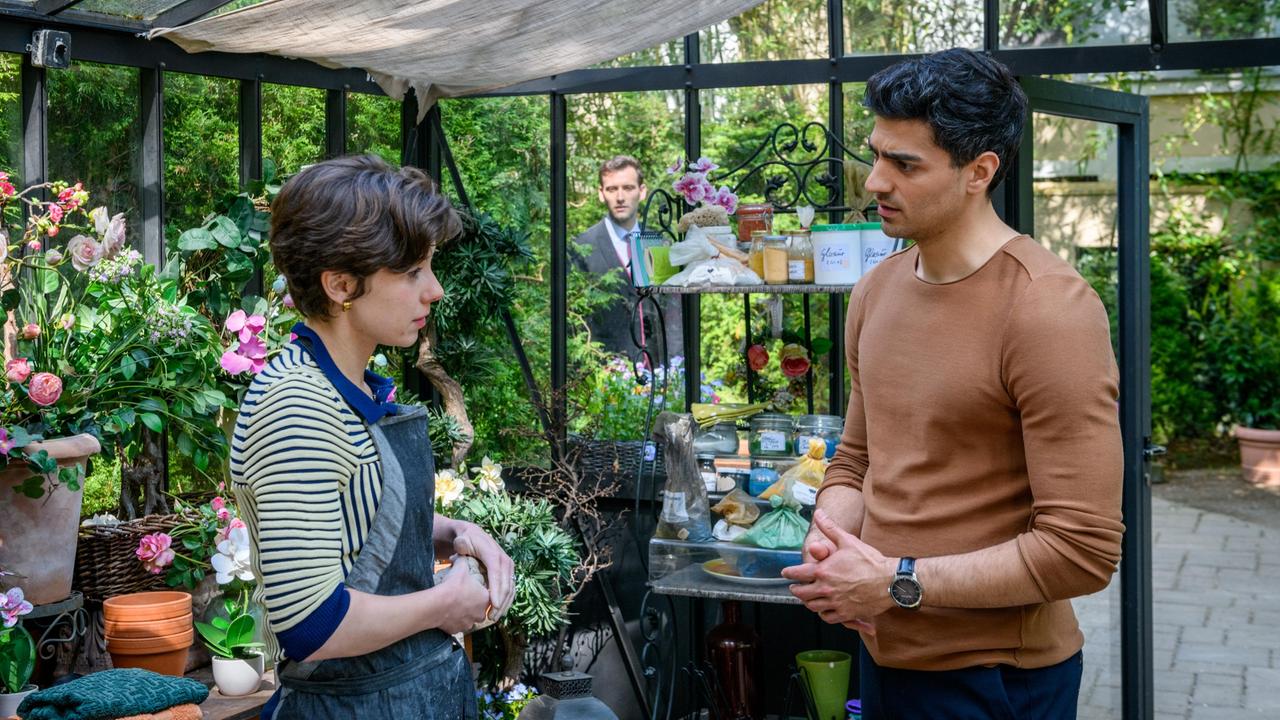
100	220
232	558
489	476
449	487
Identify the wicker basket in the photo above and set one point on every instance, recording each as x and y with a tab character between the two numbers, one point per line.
106	559
617	459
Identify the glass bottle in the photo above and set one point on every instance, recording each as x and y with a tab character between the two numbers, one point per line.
800	259
775	259
733	648
707	469
755	257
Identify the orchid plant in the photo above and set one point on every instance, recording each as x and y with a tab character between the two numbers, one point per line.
697	189
211	538
17	649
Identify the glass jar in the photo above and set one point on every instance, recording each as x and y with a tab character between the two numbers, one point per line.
752	217
775	259
826	428
720	438
755	256
763	474
771	435
707	469
800	259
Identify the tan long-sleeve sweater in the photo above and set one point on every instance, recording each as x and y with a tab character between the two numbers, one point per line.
985	410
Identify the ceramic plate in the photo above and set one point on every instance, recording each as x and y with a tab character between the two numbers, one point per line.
721	569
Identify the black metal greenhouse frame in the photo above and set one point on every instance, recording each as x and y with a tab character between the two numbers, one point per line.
118	41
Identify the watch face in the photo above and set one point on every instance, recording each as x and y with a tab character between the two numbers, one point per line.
905	592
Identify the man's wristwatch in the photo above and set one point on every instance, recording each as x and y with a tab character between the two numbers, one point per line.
905	588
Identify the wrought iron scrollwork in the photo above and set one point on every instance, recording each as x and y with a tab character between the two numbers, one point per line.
64	623
660	213
658	630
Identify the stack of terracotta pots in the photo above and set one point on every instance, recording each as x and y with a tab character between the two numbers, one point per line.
150	630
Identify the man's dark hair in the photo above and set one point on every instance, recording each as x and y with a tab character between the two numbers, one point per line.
618	162
971	102
358	215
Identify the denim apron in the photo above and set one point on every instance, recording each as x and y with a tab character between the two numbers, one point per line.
425	676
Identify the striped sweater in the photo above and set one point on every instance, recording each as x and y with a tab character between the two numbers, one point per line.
306	475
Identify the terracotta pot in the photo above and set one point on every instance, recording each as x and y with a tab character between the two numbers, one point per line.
165	654
126	629
235	677
39	536
9	702
1260	455
147	606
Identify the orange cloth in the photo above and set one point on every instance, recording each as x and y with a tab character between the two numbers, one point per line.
983	411
186	711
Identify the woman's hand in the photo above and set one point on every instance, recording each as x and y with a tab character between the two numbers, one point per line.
500	571
467	600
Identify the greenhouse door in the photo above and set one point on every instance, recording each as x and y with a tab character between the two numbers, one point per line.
1080	187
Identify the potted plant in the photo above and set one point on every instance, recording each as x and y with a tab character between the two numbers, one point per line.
1245	339
17	652
238	662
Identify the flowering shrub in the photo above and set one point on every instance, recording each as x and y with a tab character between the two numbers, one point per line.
210	539
494	704
102	343
615	399
17	649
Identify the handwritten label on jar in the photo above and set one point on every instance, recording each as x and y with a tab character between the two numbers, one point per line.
804	493
795	270
773	441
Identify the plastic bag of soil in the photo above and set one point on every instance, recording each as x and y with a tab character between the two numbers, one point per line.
685	511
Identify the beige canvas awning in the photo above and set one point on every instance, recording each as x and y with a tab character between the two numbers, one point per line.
448	48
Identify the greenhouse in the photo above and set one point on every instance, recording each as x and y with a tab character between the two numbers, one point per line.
647	313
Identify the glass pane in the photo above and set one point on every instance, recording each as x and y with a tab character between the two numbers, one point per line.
93	135
11	115
1075	216
1031	23
373	126
201	147
875	27
736	122
292	126
1191	20
668	53
773	30
648	127
131	9
502	146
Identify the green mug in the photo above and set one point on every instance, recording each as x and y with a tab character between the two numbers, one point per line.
826	673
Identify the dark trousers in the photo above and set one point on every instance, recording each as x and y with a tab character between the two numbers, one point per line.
980	693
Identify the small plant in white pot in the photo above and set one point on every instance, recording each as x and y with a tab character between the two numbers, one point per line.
238	662
17	652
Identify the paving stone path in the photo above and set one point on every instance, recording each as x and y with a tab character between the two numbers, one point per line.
1216	603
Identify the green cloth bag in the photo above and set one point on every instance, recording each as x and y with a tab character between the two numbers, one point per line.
112	694
781	528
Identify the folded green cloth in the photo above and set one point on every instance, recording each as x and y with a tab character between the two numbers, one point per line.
111	694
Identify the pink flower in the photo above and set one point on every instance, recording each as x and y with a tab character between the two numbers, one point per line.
757	357
154	552
693	187
52	231
30	331
6	443
45	389
391	396
85	252
235	321
293	336
703	165
34	246
288	300
222	534
256	351
17	370
55	213
220	509
67	321
725	198
13	605
675	167
234	363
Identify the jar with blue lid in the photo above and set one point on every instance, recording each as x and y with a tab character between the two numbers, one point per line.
827	428
763	474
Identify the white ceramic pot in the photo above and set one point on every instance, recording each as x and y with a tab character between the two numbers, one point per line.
235	677
9	702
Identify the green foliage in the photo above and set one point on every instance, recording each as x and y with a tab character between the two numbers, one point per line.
544	556
201	147
17	658
231	636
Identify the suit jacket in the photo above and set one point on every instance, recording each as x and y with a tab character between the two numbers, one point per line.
610	325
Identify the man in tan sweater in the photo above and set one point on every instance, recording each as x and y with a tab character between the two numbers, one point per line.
977	486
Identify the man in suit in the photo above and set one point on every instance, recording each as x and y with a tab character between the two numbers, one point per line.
608	245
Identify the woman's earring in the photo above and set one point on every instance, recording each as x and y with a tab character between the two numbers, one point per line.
346	305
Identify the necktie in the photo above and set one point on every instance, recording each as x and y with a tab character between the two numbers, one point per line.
631	262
